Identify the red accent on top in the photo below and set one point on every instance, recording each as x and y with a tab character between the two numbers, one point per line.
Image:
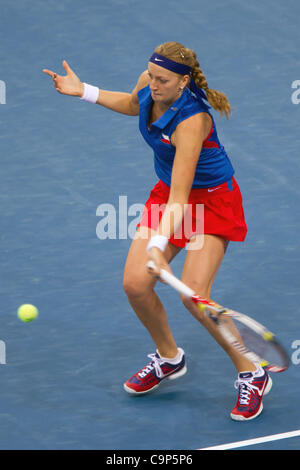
207	144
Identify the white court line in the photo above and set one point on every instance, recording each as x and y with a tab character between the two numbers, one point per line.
258	440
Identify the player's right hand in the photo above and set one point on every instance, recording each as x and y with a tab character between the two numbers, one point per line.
69	84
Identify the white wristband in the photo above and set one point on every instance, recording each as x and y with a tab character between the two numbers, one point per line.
90	93
158	241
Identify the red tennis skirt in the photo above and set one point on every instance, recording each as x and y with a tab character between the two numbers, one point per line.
217	211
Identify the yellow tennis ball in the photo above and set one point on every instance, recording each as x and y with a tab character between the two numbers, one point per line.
202	307
27	312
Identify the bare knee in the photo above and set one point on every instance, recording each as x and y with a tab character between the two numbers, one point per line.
137	286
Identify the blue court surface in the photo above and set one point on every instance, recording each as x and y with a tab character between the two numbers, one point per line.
61	159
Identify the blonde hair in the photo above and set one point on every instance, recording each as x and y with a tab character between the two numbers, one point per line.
177	52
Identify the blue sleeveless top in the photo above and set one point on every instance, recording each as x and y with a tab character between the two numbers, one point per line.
213	167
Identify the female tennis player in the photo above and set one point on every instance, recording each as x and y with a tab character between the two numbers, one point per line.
196	204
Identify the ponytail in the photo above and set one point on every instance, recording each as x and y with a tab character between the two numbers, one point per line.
217	99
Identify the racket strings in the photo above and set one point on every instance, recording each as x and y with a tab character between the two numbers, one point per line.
237	337
257	348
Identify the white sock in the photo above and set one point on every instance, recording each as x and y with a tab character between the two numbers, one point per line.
173	360
258	372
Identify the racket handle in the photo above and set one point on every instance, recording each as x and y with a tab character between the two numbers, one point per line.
170	279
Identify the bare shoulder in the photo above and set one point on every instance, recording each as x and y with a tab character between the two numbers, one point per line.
199	120
196	127
143	81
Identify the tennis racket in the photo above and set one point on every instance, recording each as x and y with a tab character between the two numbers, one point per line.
248	336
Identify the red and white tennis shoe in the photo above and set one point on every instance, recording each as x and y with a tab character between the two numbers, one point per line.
252	387
150	377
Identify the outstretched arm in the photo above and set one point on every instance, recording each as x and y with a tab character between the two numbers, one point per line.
124	103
